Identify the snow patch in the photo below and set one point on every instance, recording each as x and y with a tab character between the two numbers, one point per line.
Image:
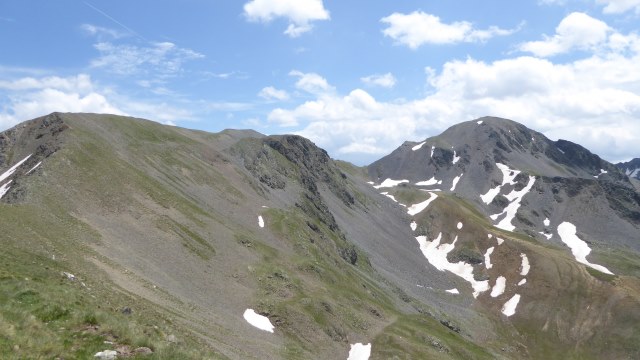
455	182
433	148
515	197
456	158
459	226
546	222
390	183
33	168
522	282
429	182
359	352
417	208
4	188
548	236
489	236
579	248
525	265
602	171
260	221
498	288
507	178
257	320
509	307
418	147
436	254
13	169
413	225
487	258
479	122
453	291
500	241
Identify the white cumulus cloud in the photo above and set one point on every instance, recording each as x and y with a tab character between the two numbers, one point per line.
271	93
593	101
577	31
619	6
299	13
312	83
29	97
419	28
25	98
386	80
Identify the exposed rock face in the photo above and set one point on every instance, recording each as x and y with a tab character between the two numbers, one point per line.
38	139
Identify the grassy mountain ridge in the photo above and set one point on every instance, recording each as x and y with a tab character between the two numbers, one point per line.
164	221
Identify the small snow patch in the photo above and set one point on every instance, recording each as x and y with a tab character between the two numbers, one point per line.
525	265
418	147
359	352
546	222
498	288
548	236
417	208
453	291
390	183
509	307
489	236
257	320
456	158
500	241
455	182
429	182
487	258
4	188
602	171
33	168
13	169
433	148
579	248
522	282
459	226
479	122
260	221
413	225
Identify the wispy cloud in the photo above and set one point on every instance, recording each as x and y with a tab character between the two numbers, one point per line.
103	32
114	20
385	80
271	93
163	59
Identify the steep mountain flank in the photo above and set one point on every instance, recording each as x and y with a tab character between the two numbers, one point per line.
191	231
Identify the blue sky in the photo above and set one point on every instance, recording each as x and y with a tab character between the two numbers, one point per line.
356	77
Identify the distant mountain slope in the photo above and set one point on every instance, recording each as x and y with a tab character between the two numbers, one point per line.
631	168
567	179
